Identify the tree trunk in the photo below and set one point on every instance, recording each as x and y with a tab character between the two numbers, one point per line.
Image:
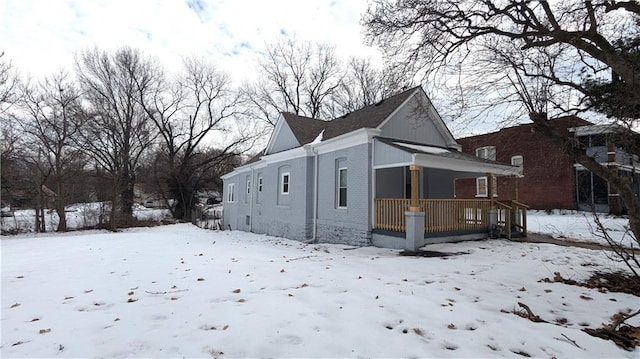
113	213
37	223
62	215
126	197
43	225
634	220
184	193
115	196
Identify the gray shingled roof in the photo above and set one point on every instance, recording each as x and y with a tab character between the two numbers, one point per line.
367	117
306	129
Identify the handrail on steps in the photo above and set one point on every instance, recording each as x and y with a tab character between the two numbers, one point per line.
520	210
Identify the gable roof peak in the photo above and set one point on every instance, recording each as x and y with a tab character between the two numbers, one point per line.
305	129
370	116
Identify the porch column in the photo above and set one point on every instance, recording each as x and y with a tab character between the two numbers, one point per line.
490	183
414	236
414	206
493	211
515	217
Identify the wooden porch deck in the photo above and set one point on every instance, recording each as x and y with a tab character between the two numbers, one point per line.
452	215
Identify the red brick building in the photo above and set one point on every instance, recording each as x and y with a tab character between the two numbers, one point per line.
549	175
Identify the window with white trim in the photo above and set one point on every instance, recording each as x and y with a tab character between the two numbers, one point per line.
284	183
481	187
248	190
259	192
486	152
342	187
231	197
517	161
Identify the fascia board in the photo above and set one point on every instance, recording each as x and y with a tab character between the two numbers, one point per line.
255	165
353	138
274	134
594	129
439	123
229	175
393	165
286	155
580	167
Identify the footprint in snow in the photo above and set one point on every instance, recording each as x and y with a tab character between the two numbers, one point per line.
471	326
288	339
450	346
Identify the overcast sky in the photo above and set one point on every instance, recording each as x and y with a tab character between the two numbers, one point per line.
41	36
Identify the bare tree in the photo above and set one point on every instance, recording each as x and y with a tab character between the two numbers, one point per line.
12	162
363	84
53	117
9	139
8	84
197	116
118	131
547	58
298	77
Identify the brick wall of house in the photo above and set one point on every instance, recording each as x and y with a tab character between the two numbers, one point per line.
549	176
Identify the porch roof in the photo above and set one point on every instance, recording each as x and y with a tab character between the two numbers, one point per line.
390	152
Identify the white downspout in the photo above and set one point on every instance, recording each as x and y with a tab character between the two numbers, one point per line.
373	185
315	197
251	196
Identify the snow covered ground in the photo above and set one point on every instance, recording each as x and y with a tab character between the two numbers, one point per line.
578	226
181	291
80	215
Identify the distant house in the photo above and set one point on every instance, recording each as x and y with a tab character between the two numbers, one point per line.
383	175
551	179
591	190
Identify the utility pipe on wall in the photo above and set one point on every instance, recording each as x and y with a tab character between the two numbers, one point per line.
251	196
315	197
